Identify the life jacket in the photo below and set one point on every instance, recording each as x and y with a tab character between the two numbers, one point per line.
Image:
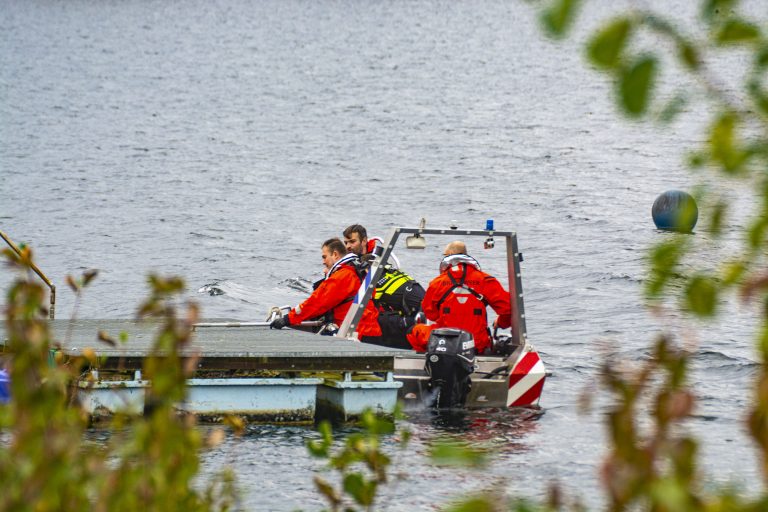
395	290
332	299
399	292
458	298
461	306
360	268
462	301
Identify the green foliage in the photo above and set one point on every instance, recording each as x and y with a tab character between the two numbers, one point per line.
653	467
664	260
635	85
474	504
723	144
713	9
361	463
606	47
735	141
737	31
559	16
493	502
701	295
451	452
151	461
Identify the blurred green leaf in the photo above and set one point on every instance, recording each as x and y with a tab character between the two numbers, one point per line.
713	9
605	48
475	504
663	262
376	424
756	233
635	85
669	494
761	58
454	453
737	31
363	491
688	54
701	295
558	17
150	466
733	272
723	144
696	159
327	490
758	95
405	437
717	217
673	108
685	453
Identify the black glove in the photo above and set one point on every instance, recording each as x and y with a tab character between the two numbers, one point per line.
279	323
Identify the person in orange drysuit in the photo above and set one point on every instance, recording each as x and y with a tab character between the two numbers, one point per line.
335	294
397	296
356	240
458	298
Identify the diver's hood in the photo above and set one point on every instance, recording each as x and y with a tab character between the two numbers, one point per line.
458	259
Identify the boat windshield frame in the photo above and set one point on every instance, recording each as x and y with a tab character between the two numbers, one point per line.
515	284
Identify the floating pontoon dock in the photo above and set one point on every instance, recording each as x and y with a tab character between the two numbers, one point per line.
283	376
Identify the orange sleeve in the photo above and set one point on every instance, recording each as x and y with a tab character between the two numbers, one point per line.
331	292
429	304
498	299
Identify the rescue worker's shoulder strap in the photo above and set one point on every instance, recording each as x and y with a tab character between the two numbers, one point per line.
361	267
460	284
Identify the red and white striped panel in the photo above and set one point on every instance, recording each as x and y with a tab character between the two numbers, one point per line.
526	380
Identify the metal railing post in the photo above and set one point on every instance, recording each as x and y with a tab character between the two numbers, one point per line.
52	309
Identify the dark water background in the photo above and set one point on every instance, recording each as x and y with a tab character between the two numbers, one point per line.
224	141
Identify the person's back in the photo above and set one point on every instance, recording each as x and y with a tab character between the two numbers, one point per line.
458	298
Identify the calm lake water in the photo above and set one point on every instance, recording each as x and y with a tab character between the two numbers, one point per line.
224	141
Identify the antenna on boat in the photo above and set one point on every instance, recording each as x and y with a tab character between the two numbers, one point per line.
416	241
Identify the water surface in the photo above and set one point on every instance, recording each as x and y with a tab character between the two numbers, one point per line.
224	141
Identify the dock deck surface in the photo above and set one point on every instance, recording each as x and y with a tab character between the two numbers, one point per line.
232	348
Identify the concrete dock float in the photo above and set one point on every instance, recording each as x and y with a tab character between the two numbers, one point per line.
283	376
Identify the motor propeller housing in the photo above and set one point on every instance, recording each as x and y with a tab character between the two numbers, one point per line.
450	361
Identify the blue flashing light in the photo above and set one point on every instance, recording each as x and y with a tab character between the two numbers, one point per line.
489	225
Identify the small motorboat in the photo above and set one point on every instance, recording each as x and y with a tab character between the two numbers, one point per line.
450	374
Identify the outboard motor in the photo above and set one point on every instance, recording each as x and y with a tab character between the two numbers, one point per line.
449	363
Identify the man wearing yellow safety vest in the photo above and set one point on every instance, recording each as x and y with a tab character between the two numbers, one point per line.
397	295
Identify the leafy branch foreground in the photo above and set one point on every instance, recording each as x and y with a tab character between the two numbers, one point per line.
152	462
656	470
151	465
48	465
